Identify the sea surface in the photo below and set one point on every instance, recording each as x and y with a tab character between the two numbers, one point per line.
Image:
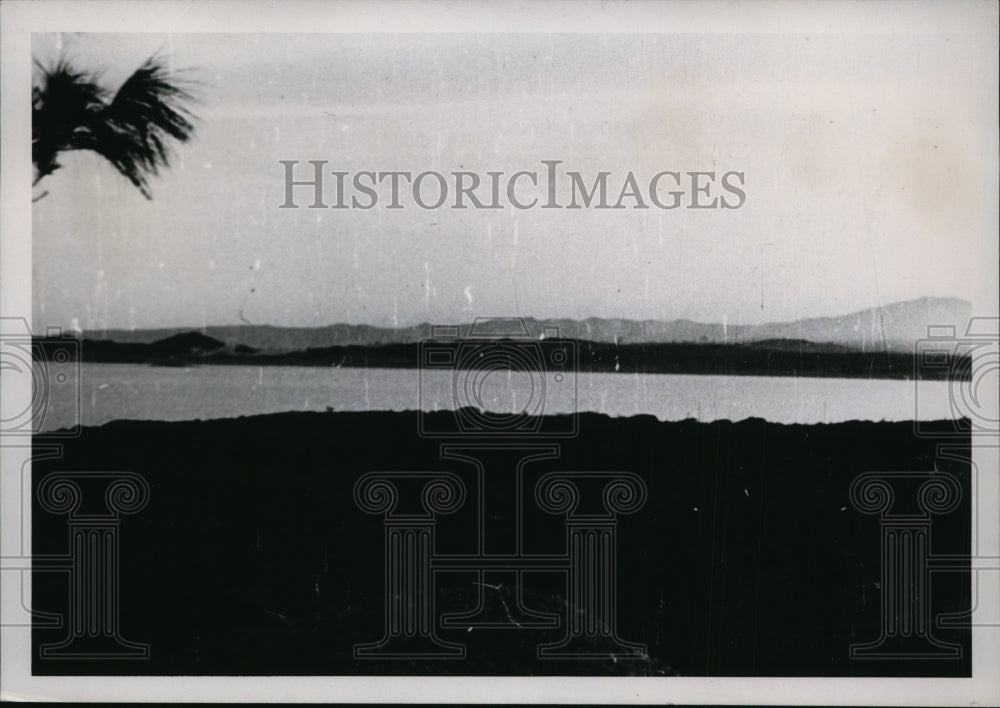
99	393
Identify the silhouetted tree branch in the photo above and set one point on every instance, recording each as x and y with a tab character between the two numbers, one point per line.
133	129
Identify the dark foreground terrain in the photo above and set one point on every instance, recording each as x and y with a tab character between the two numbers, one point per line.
748	557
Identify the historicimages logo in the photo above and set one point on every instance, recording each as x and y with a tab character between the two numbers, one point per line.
970	363
545	188
51	364
545	367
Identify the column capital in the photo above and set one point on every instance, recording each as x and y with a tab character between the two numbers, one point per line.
564	492
882	493
416	494
93	495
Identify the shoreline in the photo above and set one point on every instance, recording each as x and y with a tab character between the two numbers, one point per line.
791	358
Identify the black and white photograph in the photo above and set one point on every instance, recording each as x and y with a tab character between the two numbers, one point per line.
604	352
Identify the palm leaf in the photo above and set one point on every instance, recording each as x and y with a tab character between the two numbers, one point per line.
134	130
63	106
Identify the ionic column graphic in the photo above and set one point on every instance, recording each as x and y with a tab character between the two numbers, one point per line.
906	619
591	541
500	534
94	597
410	631
408	582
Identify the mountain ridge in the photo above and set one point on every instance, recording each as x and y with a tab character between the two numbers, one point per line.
893	327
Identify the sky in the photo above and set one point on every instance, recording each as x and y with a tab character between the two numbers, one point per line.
869	163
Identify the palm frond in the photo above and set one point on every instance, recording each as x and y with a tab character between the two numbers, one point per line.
147	111
63	105
134	130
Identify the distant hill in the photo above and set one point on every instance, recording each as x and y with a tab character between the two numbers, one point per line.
870	344
894	327
187	343
176	349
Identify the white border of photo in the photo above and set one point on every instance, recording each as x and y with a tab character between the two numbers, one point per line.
21	18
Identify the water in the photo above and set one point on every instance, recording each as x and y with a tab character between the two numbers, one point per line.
135	391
